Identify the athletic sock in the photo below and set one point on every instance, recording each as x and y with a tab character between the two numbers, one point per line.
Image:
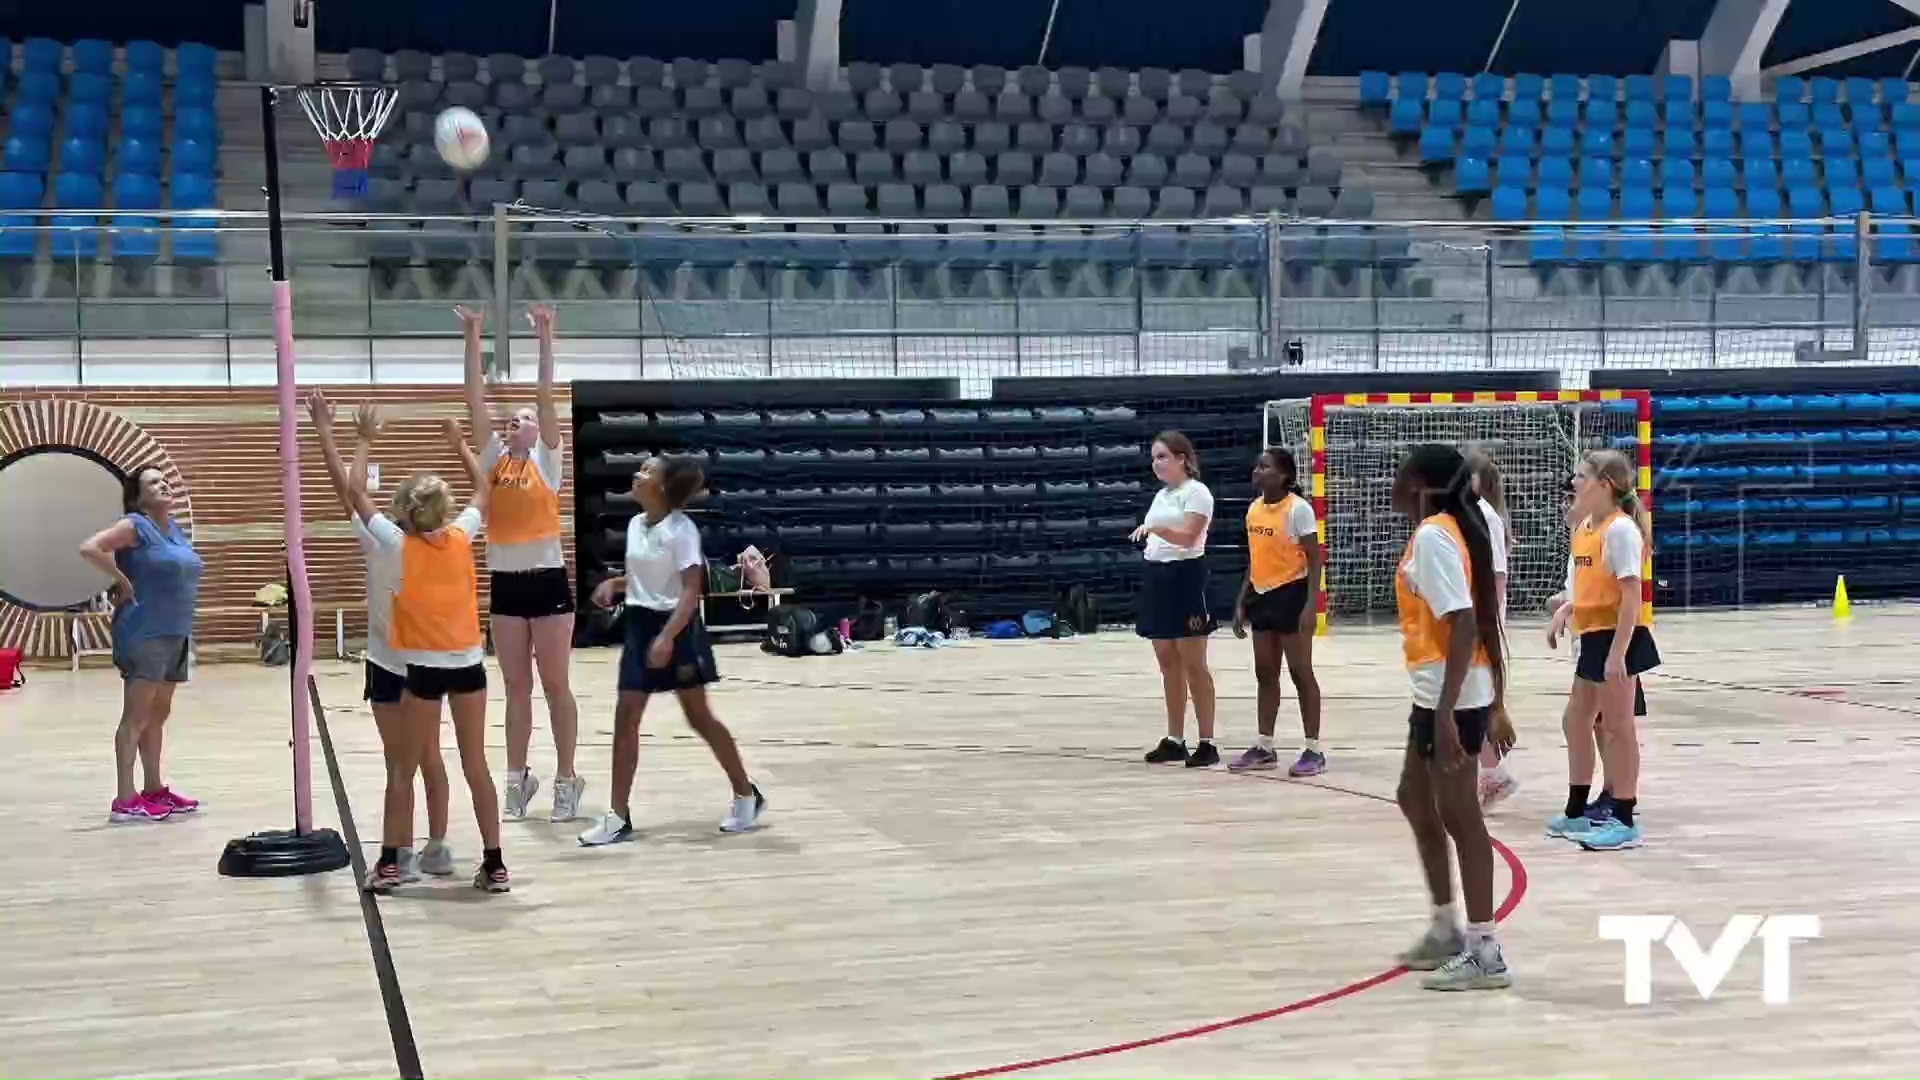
1499	772
1264	742
1480	937
1445	919
1623	810
491	859
389	856
1577	799
1313	746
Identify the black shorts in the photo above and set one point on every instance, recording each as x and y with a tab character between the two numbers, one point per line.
383	686
434	683
1278	610
532	594
1471	722
1173	601
1591	664
692	664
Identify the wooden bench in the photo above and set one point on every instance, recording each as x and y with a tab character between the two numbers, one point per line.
742	597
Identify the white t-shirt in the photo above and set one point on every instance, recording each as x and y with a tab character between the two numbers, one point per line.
1436	572
1622	549
1497	532
1169	510
656	556
550	462
385	562
383	580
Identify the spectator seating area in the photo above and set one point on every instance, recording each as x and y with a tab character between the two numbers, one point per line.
1566	149
90	127
1005	506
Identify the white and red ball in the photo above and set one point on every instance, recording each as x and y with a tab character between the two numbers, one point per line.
461	138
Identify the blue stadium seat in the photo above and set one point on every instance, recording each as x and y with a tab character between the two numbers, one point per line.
1637	142
1718	172
93	55
1564	88
1636	172
1679	243
1513	171
1563	112
1906	116
1789	88
42	54
74	236
1759	172
134	238
194	90
1636	203
1449	86
1556	172
27	154
1604	112
1756	143
1842	172
1716	115
1876	144
1798	171
1677	172
1553	204
136	192
1509	203
1795	117
140	157
1826	114
1447	112
1596	141
1636	243
1767	245
1472	175
1376	89
1822	90
1480	142
1489	87
87	120
1406	115
141	122
1716	88
1547	244
1907	144
1594	204
191	191
39	86
1675	88
1755	116
1842	244
1557	142
1639	88
1716	142
1893	91
1484	112
1436	144
190	156
1596	172
1836	142
1410	85
1677	141
1796	144
83	155
1677	114
1516	140
1604	87
1858	90
1525	111
21	191
1529	88
146	56
33	119
90	87
141	88
194	60
200	125
1865	118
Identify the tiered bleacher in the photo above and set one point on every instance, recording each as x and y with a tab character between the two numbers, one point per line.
91	127
1565	149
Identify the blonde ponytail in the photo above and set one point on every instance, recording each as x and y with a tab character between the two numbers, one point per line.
1612	468
424	503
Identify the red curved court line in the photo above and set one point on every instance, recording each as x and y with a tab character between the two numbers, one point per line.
1516	869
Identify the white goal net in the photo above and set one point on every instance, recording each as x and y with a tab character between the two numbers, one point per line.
1536	439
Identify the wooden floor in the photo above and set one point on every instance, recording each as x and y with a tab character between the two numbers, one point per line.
965	868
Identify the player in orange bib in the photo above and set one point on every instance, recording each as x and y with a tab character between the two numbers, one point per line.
1280	602
426	552
1602	606
1450	638
532	595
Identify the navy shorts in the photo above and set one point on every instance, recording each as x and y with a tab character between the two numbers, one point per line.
1471	723
690	667
1173	601
1591	665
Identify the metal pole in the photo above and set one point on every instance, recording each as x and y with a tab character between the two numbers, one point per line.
1489	287
1862	285
502	295
1139	303
1502	38
1276	272
893	310
1046	38
553	25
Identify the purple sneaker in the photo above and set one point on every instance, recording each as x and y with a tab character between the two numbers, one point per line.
1255	759
1311	763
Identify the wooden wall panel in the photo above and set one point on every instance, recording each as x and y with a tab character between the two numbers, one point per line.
225	446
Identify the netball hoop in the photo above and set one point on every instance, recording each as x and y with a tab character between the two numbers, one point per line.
349	117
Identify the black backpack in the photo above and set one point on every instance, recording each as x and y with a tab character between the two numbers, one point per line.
871	623
1077	610
792	628
929	611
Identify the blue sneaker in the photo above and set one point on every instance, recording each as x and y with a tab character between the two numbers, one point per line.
1611	835
1568	828
1601	809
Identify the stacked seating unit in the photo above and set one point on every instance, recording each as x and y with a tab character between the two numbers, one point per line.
89	130
1566	149
1764	497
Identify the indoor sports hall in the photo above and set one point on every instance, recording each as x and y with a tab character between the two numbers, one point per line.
1069	465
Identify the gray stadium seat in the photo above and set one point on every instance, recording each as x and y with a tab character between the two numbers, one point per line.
1103	170
748	197
423	160
366	65
648	198
1034	80
653	101
586	163
1079	140
846	200
920	168
1265	109
545	193
1315	202
555	69
902	135
412	65
1034	137
1013	169
524	128
925	106
1182	109
389	162
1209	139
781	165
1244	84
1353	204
506	67
616	130
944	201
1059	170
1268	200
1074	82
1174	202
459	67
862	76
837	105
719	133
1166	137
1194	83
764	133
1084	202
988	201
1323	166
683	163
633	163
881	105
699	199
576	129
600	70
688	72
906	78
1225	107
749	102
700	101
967	168
1239	170
992	138
613	99
468	95
1139	111
873	167
1113	82
793	102
484	193
414	127
1131	202
1053	109
733	73
1099	111
855	136
828	166
1288	139
531	160
896	201
1252	139
811	134
1281	170
667	132
1012	106
646	71
777	75
947	79
797	199
971	106
417	96
1222	201
946	138
1039	202
1192	170
989	79
563	97
734	166
1155	83
1147	171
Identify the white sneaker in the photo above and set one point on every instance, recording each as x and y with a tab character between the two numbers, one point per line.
612	829
519	792
566	797
409	866
745	812
1497	785
436	859
1481	967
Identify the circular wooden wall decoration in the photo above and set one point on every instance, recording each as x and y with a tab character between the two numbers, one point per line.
115	443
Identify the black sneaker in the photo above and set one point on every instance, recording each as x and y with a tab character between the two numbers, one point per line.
1167	753
1203	755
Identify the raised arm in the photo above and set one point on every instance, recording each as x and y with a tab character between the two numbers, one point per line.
321	410
469	461
541	316
471	323
366	427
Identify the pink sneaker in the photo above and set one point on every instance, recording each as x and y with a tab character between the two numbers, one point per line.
138	808
173	800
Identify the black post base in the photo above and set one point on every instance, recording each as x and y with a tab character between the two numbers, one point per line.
284	853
